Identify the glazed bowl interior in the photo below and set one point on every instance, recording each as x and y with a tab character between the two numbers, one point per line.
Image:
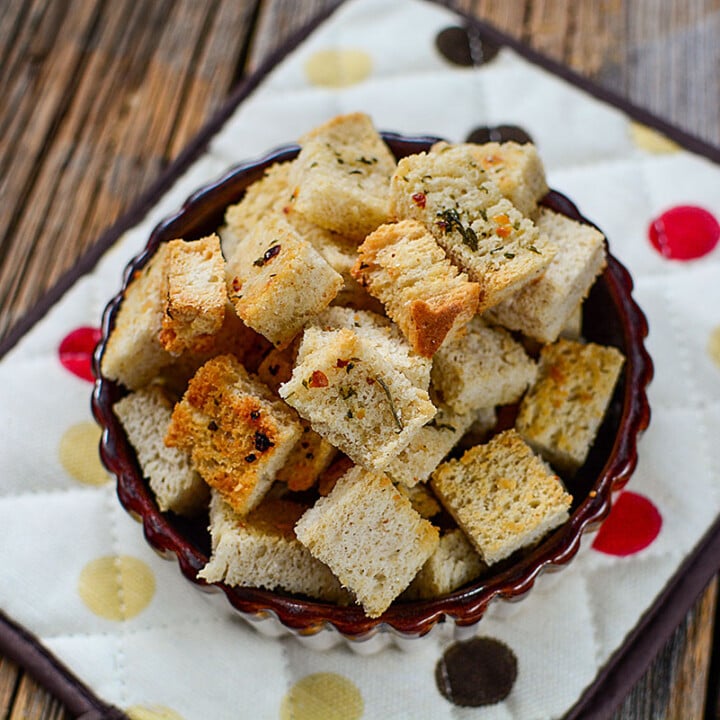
610	317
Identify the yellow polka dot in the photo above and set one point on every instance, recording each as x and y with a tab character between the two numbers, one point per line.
651	140
152	712
116	587
322	695
713	347
79	456
337	68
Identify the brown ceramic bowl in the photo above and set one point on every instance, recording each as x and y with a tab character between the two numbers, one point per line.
610	317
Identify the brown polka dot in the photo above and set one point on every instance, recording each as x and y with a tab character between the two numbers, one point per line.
338	68
78	453
465	47
499	133
713	346
322	695
116	587
481	671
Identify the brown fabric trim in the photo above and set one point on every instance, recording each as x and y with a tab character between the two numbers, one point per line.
21	647
630	661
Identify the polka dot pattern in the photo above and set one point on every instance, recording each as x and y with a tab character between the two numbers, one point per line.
499	134
338	68
633	524
78	453
464	46
684	232
116	587
651	140
713	346
322	695
477	672
76	350
154	712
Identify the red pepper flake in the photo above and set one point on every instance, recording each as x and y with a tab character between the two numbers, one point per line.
370	380
504	231
318	379
236	284
419	199
342	363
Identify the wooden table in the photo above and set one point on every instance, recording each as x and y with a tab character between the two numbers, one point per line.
98	96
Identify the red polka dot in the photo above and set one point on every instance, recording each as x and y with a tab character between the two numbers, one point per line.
634	522
684	232
76	351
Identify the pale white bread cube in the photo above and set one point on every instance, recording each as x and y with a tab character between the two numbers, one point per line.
271	195
278	282
543	307
402	265
481	231
515	168
502	495
237	432
266	196
145	416
260	550
133	354
384	336
354	397
429	447
341	177
370	537
454	563
481	367
562	411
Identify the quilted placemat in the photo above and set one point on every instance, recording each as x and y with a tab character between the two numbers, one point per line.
112	628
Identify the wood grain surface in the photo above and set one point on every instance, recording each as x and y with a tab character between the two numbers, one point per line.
100	95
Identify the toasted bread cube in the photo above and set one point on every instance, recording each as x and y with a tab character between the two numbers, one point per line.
481	367
484	422
516	169
572	329
502	496
195	294
312	454
429	447
421	498
481	231
133	354
260	550
542	308
263	197
308	460
145	416
454	563
354	397
238	434
403	266
370	537
277	281
341	177
562	411
384	336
